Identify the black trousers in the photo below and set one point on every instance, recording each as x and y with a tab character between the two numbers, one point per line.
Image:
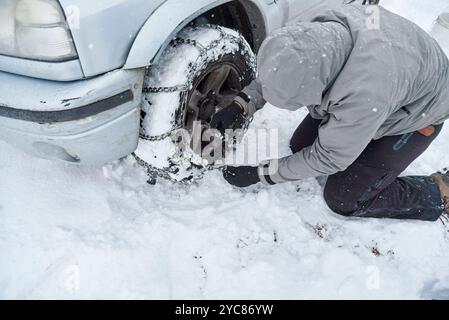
370	187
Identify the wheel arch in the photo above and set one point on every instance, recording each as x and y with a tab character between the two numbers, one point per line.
245	15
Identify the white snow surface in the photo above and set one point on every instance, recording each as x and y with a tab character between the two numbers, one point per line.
73	232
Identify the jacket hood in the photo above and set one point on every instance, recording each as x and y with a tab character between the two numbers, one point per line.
297	64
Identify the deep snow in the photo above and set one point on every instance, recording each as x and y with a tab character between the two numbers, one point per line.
71	232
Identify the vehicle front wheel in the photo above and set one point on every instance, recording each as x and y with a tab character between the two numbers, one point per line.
201	72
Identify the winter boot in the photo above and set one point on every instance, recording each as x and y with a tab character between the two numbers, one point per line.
442	180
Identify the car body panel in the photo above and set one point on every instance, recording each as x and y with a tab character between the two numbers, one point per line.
102	138
26	93
105	31
176	14
297	7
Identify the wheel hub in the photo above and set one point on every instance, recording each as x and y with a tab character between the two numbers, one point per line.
213	92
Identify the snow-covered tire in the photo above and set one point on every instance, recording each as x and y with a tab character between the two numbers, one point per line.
173	85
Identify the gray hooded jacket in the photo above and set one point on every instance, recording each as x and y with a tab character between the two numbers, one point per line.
364	80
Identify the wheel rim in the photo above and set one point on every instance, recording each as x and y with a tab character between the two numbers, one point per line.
215	90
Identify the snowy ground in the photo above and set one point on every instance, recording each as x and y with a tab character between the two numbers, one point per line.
69	232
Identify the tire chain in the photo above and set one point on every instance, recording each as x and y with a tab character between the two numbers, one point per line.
154	172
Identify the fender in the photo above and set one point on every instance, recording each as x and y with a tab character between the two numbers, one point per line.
173	15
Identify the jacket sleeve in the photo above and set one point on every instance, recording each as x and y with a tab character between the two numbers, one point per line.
342	137
255	97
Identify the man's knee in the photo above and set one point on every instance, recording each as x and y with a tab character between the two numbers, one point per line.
299	142
294	147
339	201
305	135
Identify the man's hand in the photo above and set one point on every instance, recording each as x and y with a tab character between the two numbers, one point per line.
241	177
230	117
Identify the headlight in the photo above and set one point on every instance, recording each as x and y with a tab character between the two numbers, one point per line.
35	29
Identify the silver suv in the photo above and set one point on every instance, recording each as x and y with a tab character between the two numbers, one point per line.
82	80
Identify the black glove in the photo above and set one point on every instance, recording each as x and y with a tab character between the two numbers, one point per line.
228	118
241	177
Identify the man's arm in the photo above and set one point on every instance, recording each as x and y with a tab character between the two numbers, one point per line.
350	127
252	99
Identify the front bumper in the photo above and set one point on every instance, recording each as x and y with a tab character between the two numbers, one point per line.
88	122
